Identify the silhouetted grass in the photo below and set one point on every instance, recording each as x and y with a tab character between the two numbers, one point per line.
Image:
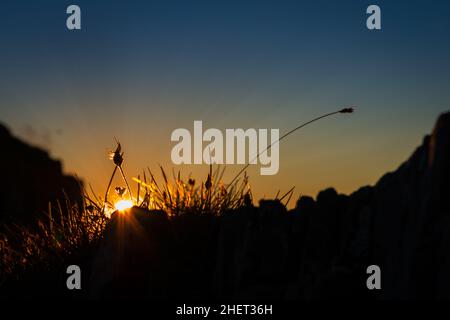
76	229
72	229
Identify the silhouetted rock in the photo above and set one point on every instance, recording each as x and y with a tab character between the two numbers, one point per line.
145	256
401	224
265	252
30	180
233	228
134	260
410	212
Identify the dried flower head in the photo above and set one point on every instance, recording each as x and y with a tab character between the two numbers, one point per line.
208	183
120	191
117	156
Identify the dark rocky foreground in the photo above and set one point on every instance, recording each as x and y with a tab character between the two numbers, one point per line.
321	249
30	179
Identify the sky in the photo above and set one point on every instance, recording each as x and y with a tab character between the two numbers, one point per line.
137	70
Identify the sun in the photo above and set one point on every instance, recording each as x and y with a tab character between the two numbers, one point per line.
123	205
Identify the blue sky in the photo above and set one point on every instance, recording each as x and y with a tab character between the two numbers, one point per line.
140	69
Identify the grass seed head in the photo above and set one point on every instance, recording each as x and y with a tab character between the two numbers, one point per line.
347	110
